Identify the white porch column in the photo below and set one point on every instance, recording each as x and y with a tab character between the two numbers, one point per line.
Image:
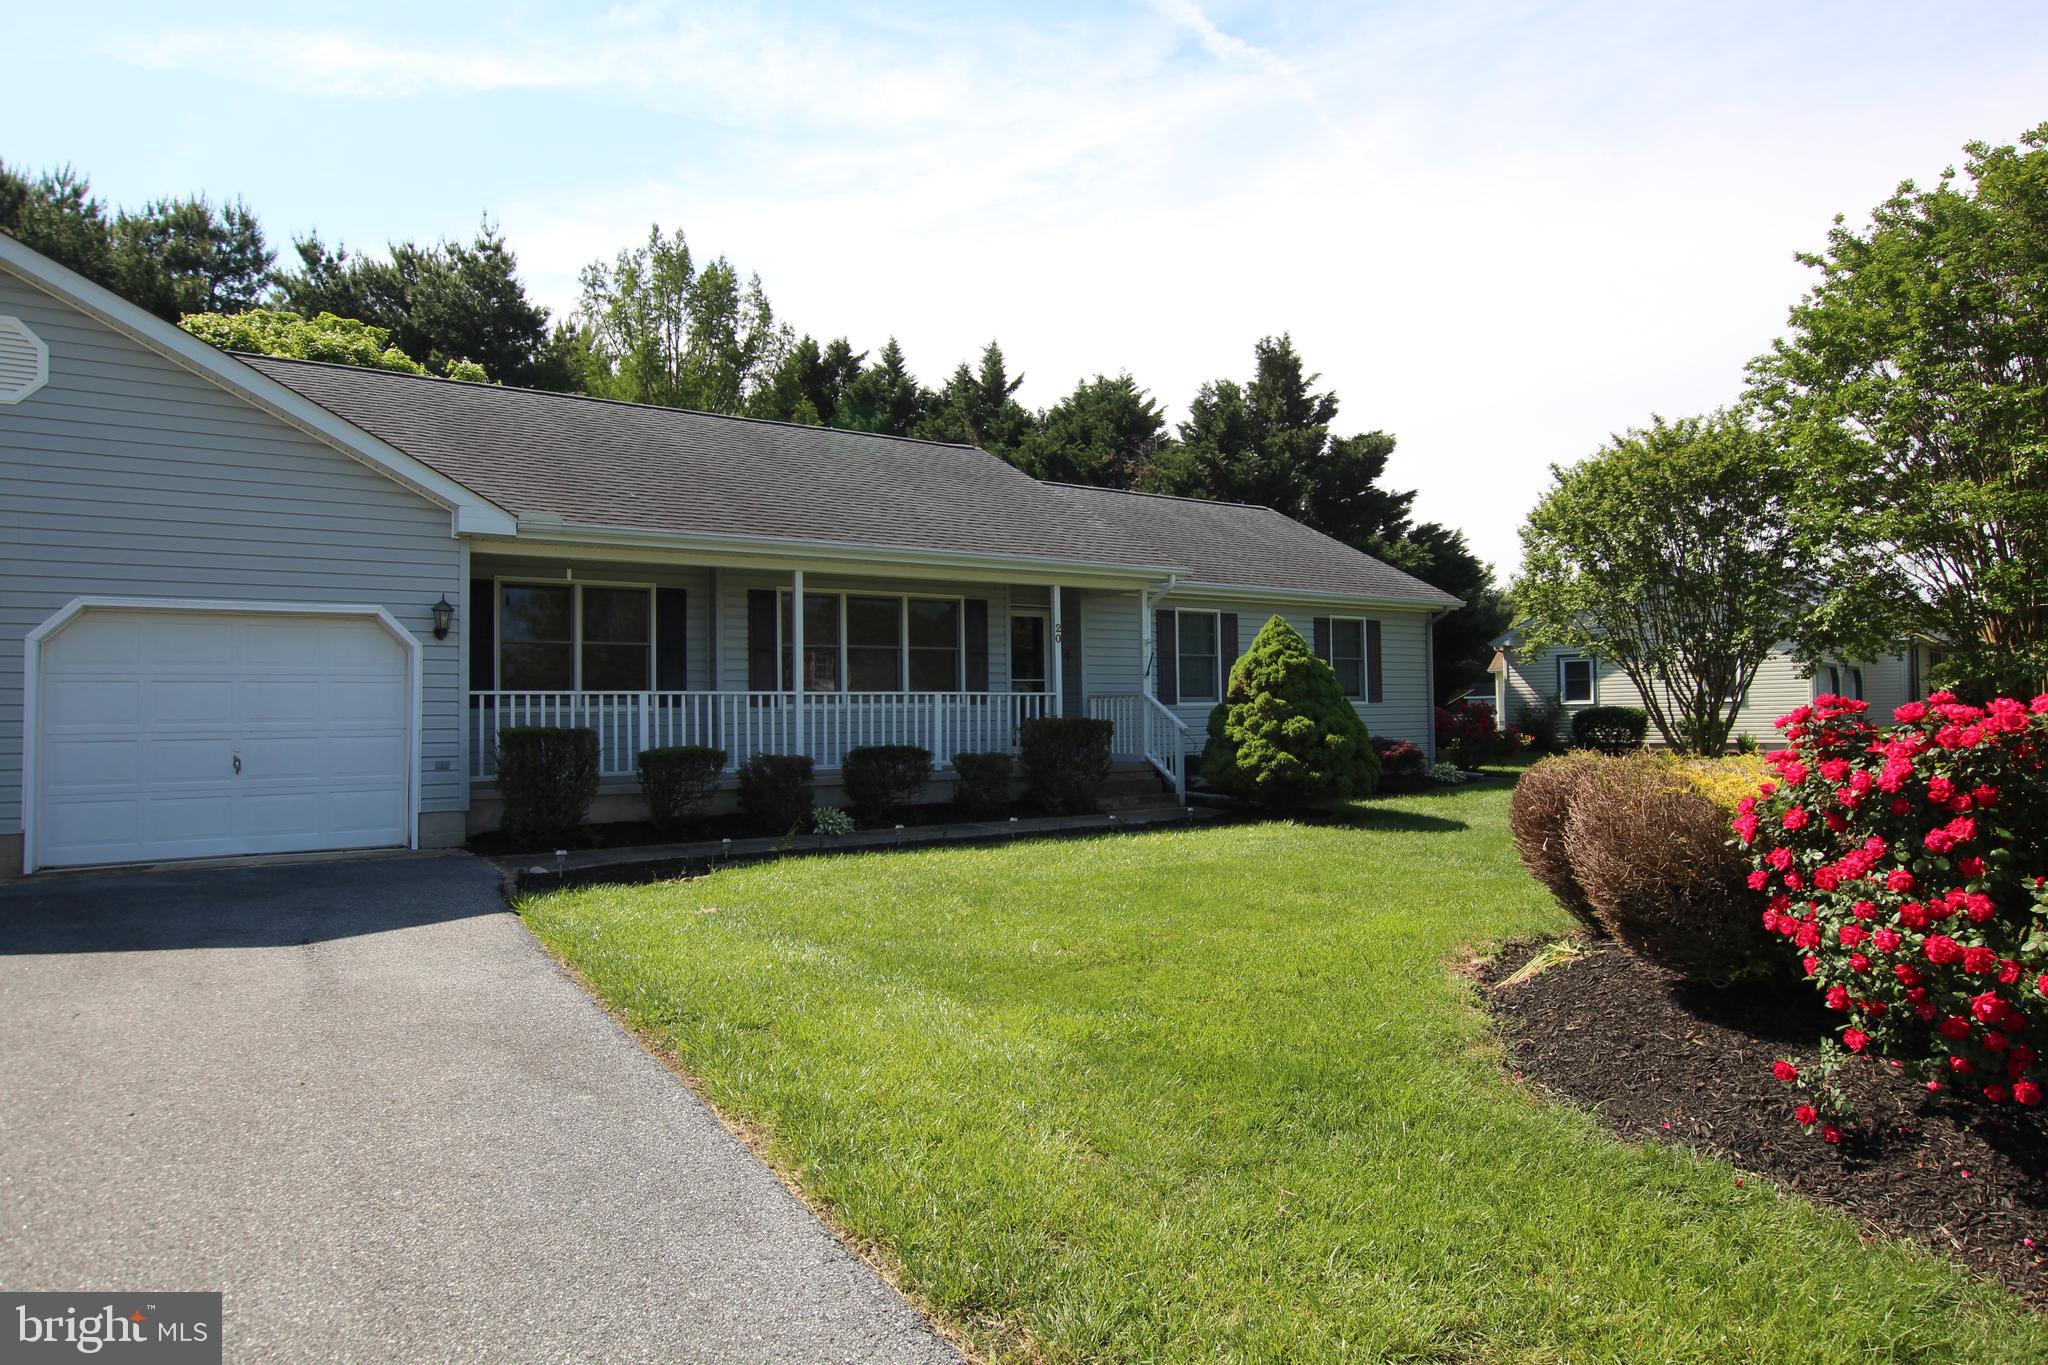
1059	658
1145	661
796	653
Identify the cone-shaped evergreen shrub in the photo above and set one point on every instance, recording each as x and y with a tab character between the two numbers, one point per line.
1285	734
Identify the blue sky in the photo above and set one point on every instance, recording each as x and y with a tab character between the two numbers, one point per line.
1500	231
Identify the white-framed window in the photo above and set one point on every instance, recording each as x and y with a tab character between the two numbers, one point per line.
1198	665
561	636
875	642
1840	680
1575	680
1029	635
1347	653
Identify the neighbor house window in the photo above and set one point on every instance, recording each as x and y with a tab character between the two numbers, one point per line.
1347	654
1196	632
1575	680
560	637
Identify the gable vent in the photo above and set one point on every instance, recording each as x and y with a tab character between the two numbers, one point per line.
24	361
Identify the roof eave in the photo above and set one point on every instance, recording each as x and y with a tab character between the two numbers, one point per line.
1222	591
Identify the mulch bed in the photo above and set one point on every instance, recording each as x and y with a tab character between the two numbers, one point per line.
1692	1066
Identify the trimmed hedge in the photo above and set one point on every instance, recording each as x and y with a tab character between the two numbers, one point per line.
776	793
1536	816
882	780
1647	836
984	786
1066	762
1610	729
678	782
547	776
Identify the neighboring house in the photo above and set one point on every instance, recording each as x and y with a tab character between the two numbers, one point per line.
1522	680
251	605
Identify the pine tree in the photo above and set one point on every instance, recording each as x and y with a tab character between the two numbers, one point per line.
1285	734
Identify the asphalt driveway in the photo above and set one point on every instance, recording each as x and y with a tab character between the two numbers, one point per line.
360	1100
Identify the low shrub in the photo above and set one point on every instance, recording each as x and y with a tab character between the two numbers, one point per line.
1610	729
1285	734
1647	837
883	780
547	776
1450	774
1905	868
1400	759
832	820
1544	722
983	788
1536	817
775	792
1066	762
1466	733
678	782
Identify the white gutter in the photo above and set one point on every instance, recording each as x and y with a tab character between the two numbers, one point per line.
1227	592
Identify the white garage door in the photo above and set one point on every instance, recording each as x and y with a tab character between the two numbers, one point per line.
181	734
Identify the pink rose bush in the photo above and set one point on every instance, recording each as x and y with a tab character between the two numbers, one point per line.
1907	869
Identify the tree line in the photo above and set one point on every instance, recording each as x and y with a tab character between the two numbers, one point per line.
1880	485
658	323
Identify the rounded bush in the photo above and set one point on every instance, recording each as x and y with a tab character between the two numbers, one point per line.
1610	729
547	776
1536	817
1467	735
1066	762
884	780
775	792
678	782
1285	734
984	786
1400	759
1648	844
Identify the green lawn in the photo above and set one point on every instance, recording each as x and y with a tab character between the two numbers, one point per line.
1216	1094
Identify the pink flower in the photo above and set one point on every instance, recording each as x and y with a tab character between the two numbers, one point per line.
1784	1071
1854	1039
1910	713
1941	950
1806	1115
2027	1093
1886	940
1978	961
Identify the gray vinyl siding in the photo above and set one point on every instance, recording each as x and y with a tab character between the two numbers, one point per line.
128	476
694	581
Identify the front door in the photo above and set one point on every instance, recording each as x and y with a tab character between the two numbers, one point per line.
1027	651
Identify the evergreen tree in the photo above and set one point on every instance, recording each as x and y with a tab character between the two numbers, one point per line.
1285	735
884	397
1108	433
979	407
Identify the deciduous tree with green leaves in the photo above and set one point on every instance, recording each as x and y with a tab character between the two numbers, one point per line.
337	341
1673	554
1913	391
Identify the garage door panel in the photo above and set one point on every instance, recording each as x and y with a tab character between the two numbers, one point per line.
143	713
170	700
94	703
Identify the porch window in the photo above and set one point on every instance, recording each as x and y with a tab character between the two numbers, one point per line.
874	641
1196	631
821	643
618	639
1575	680
1027	652
537	637
934	644
1347	654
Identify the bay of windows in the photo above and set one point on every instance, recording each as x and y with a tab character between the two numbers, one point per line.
874	643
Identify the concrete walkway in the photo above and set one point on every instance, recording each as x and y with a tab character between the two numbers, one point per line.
360	1100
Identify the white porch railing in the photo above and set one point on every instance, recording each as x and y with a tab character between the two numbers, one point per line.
748	723
1146	728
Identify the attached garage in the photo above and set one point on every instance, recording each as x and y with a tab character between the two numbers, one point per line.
166	730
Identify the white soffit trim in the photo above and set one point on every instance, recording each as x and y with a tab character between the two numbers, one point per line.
472	512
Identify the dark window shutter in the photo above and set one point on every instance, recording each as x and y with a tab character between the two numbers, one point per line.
1372	661
1166	641
672	639
1226	644
975	665
760	640
1321	629
483	635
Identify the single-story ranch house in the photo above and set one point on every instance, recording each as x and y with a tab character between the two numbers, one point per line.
251	605
1524	679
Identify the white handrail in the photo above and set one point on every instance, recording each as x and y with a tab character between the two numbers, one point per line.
1146	728
1173	741
748	723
